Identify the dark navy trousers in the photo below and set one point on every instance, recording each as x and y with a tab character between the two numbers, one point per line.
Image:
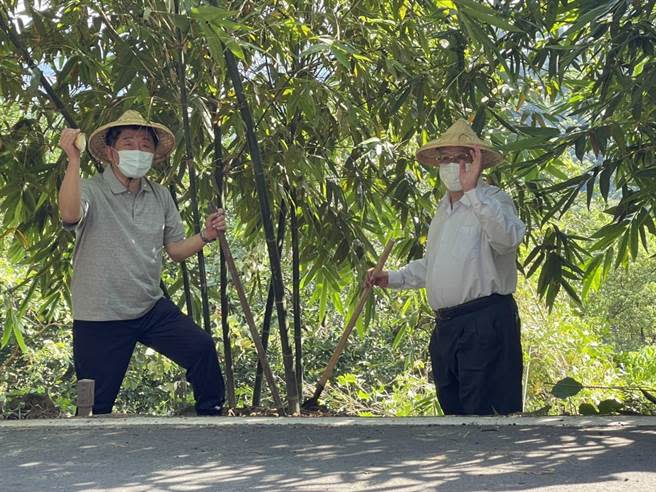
476	354
102	351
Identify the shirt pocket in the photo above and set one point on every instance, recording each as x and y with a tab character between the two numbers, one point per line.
150	229
465	242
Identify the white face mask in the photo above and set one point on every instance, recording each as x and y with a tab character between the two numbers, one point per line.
134	163
450	175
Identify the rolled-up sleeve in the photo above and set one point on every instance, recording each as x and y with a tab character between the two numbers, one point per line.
498	218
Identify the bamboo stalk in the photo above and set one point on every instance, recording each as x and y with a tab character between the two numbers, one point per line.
274	258
296	295
225	306
266	330
183	266
268	311
193	182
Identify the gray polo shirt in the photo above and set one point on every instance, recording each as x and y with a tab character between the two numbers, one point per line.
118	247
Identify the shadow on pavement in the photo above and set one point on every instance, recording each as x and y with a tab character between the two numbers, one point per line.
392	458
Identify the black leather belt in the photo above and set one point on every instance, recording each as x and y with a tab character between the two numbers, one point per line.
469	307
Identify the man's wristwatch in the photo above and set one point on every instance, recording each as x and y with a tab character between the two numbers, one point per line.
204	239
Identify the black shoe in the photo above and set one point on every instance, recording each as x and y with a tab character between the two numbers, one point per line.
215	411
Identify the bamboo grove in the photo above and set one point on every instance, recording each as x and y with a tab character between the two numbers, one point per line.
302	119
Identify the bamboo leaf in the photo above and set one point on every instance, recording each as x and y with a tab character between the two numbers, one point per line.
217	16
485	14
321	47
536	264
479	35
604	180
613	230
7	331
622	249
590	16
634	244
234	47
570	290
323	301
579	146
18	332
544	132
534	252
400	335
592	276
589	186
643	237
608	261
552	292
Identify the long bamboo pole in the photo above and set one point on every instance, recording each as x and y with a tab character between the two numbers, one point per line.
251	323
328	371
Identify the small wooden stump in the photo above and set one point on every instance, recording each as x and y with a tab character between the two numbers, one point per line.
85	395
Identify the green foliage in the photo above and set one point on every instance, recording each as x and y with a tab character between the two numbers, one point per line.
342	98
342	94
639	366
625	309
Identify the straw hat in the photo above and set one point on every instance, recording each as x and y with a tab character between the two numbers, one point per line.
460	134
165	144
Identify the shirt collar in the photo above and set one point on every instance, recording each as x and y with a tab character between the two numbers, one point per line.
116	186
444	201
446	204
464	200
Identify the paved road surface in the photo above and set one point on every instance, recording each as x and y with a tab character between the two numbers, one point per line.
229	454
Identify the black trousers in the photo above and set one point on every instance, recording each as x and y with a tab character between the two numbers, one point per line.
476	354
102	351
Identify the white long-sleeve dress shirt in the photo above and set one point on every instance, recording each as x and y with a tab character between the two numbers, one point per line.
471	250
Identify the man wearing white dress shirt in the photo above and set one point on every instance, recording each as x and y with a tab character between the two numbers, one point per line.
469	272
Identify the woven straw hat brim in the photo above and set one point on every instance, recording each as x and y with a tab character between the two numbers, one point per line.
165	144
460	134
428	154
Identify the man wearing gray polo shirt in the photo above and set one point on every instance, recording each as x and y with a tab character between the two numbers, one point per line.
122	222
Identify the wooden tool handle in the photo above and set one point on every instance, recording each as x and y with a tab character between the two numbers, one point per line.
383	257
261	353
327	373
